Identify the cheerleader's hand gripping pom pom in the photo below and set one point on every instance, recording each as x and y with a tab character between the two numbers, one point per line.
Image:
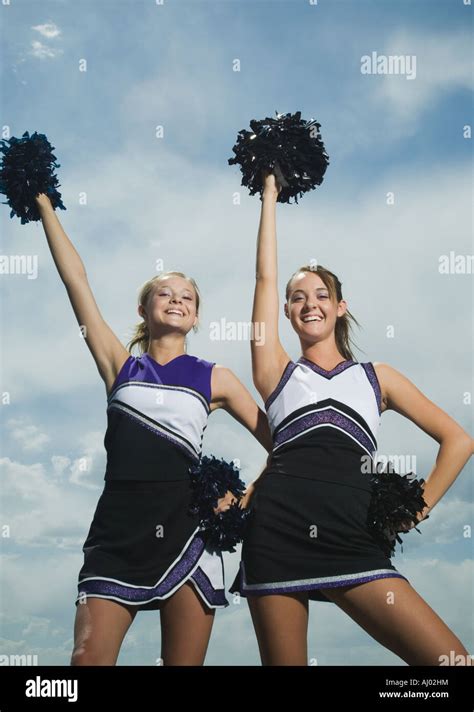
396	500
211	480
26	169
287	146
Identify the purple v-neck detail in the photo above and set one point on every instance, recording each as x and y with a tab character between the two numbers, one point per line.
341	366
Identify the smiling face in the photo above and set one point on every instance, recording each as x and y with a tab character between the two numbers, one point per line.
171	306
310	309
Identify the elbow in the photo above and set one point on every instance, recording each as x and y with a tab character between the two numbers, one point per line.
469	443
462	441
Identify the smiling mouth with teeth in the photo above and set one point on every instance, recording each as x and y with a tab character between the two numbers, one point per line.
306	319
174	311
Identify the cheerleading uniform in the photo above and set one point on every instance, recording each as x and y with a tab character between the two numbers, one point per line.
143	544
307	529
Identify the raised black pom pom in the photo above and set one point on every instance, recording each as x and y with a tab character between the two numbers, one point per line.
27	168
396	500
211	480
286	146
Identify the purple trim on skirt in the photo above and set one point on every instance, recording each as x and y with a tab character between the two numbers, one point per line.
240	587
215	597
145	594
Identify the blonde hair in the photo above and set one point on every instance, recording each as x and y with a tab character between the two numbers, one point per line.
141	335
343	328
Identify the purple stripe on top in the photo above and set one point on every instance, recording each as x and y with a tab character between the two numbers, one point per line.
374	382
289	368
128	372
325	416
184	370
324	372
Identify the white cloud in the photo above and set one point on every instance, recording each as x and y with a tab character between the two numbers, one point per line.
40	511
442	67
173	207
48	29
60	463
42	51
28	436
451	519
83	467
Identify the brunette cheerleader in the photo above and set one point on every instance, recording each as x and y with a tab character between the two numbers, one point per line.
307	535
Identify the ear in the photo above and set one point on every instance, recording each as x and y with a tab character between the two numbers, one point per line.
342	307
287	313
141	311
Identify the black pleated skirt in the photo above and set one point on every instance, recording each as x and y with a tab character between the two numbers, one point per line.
307	535
143	545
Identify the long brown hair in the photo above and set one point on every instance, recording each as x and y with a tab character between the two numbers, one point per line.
141	336
344	323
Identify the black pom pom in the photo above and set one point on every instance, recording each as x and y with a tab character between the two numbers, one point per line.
27	169
226	529
211	480
396	500
287	146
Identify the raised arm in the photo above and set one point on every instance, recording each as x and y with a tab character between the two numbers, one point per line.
268	356
456	445
108	352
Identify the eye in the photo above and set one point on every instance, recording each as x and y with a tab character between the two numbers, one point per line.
297	299
324	296
188	297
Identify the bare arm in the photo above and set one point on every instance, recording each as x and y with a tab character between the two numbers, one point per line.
268	355
250	490
456	445
108	352
231	395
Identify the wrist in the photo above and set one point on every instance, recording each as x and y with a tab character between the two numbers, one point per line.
270	195
43	202
424	514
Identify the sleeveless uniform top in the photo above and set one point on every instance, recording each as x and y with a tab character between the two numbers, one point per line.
324	423
156	417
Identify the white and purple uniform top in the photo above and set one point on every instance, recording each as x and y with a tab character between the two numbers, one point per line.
157	415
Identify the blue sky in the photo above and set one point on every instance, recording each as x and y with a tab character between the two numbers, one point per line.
172	199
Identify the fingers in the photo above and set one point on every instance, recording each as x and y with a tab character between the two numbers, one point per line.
225	503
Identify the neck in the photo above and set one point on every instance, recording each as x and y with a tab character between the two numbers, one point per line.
324	353
166	348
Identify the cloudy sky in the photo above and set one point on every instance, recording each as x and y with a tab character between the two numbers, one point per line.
172	64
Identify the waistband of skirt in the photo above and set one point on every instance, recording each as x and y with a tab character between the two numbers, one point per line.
356	480
137	485
158	475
